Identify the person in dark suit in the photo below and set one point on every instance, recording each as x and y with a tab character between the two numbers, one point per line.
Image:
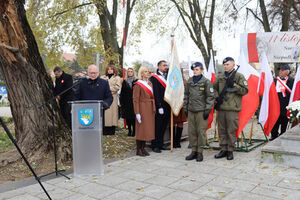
63	82
94	88
162	116
284	84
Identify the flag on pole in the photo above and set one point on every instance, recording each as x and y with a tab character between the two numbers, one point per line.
270	106
191	73
205	72
250	101
175	89
211	75
295	95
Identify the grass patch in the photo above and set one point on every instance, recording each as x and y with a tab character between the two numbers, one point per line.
5	143
118	145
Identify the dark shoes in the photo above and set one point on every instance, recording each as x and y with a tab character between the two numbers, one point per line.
177	146
229	155
221	154
164	148
192	156
156	150
199	157
273	138
139	152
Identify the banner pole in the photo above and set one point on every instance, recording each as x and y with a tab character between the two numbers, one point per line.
172	134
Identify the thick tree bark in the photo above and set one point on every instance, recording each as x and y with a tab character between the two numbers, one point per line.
28	86
108	28
264	14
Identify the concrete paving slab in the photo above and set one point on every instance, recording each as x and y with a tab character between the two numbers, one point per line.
237	194
276	192
180	195
161	180
25	197
169	176
94	190
154	191
213	191
123	195
290	183
187	185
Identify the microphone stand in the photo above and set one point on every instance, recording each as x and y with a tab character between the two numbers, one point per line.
22	155
51	103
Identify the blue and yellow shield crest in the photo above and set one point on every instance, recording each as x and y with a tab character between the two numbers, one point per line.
86	116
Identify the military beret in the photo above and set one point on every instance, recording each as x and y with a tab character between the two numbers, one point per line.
196	64
227	59
284	67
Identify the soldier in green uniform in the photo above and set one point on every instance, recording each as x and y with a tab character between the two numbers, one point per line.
230	87
198	102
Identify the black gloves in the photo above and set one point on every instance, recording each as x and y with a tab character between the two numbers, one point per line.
105	105
230	82
206	114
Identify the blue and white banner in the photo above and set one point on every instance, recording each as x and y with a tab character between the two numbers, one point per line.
175	88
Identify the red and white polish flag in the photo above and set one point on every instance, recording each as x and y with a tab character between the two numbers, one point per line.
295	95
211	75
250	101
248	47
270	106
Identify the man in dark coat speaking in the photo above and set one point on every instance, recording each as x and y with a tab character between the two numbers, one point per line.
63	82
94	88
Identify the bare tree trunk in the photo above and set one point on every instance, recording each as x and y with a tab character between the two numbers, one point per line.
108	26
28	86
264	14
286	15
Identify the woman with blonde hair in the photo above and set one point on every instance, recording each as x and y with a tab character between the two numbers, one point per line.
126	101
144	108
111	114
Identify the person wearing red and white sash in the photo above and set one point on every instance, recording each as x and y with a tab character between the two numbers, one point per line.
284	85
144	108
162	116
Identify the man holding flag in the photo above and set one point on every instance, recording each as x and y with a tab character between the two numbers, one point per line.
162	116
284	85
230	87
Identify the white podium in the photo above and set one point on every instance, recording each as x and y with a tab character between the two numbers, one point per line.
87	137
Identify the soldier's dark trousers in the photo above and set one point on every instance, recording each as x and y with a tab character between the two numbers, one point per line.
283	121
197	131
228	122
161	123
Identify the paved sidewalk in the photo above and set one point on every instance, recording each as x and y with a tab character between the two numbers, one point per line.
5	112
167	176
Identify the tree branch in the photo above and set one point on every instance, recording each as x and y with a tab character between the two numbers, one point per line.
10	48
260	20
75	7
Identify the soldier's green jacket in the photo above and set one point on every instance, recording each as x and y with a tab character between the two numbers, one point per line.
198	97
233	97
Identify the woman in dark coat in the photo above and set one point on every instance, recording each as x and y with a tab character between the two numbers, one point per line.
126	101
